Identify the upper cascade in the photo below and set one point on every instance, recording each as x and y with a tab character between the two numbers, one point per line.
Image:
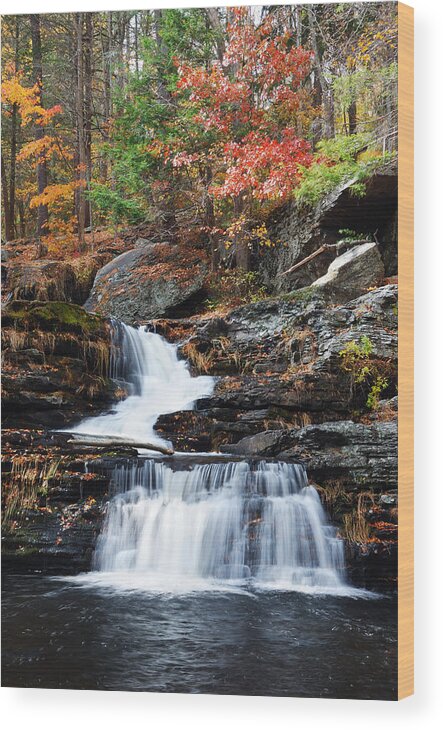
157	383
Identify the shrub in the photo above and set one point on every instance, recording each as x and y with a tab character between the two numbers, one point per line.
235	288
364	370
337	161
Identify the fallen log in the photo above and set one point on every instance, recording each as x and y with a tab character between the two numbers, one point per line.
322	249
305	260
84	439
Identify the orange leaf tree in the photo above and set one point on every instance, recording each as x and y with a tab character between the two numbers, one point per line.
58	196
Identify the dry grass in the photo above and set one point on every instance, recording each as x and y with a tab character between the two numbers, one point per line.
202	362
98	355
28	479
95	353
356	528
16	340
91	386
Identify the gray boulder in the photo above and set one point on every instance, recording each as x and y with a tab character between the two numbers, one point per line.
148	282
351	274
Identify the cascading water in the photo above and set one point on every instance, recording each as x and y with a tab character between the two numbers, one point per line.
216	525
181	525
157	383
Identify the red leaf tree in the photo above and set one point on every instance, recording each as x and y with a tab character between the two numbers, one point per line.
249	107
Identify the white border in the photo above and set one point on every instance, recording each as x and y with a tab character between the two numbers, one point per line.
66	710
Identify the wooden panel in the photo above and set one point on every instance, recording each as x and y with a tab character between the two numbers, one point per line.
406	351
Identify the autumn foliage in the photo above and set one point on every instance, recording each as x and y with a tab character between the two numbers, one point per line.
193	123
57	196
249	104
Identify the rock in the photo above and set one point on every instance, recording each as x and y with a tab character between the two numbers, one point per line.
354	453
350	274
281	365
373	565
56	359
148	282
267	443
300	230
52	280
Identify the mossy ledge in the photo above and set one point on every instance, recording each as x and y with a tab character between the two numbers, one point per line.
54	317
56	360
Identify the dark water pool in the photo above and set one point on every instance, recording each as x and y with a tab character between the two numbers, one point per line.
62	635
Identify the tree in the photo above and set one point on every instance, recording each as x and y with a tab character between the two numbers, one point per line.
88	75
250	102
37	73
81	142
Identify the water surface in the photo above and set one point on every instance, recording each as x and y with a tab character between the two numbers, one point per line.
62	634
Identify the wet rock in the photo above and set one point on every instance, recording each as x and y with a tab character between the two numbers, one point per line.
373	565
148	282
280	364
55	541
356	454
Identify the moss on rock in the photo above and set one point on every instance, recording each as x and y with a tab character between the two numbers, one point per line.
53	316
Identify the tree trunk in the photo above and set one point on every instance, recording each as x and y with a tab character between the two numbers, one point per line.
326	91
216	24
88	111
6	207
81	176
14	141
137	69
106	59
162	90
208	206
167	216
116	441
352	117
298	25
37	73
242	252
22	218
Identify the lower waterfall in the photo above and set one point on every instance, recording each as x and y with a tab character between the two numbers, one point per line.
178	524
217	525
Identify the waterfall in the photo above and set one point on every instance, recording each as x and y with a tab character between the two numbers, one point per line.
156	380
216	525
181	524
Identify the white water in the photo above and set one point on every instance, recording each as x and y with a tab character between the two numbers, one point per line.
157	382
219	526
191	526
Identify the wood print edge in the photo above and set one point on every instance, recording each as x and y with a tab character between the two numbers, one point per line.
406	352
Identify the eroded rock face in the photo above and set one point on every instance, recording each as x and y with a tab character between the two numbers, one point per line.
300	231
354	453
147	282
55	358
52	280
281	365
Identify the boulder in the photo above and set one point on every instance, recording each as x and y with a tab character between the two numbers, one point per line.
300	230
149	281
350	275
